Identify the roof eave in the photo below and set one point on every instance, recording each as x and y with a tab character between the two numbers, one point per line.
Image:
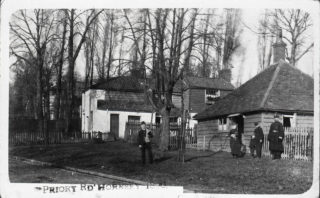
254	111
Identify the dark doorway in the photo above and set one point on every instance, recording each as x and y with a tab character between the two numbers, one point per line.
114	124
240	123
286	122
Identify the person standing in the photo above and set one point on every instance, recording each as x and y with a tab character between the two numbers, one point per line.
275	138
235	143
257	141
144	141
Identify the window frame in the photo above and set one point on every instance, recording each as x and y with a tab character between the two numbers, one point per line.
134	120
223	124
292	119
217	94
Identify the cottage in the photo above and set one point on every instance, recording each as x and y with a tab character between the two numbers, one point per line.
107	106
280	88
200	92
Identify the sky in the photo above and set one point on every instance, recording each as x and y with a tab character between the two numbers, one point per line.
245	64
249	41
249	67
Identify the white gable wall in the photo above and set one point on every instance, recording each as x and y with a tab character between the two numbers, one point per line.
101	118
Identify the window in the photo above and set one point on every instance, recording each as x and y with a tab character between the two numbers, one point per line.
173	119
134	119
289	120
222	125
101	104
211	95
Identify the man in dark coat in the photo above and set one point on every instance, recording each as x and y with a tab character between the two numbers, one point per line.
256	141
275	138
144	141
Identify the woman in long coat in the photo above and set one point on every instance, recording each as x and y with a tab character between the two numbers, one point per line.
235	142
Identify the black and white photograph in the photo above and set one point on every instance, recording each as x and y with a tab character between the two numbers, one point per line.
174	100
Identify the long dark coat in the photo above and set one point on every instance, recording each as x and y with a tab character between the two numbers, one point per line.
276	136
235	143
258	136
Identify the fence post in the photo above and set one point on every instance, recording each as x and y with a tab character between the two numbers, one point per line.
204	142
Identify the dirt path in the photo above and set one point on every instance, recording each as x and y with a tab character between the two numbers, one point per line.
21	172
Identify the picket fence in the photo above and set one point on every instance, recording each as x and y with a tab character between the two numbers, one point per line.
190	139
298	144
37	138
132	129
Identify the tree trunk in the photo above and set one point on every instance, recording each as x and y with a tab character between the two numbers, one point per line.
70	79
46	110
110	48
165	130
59	77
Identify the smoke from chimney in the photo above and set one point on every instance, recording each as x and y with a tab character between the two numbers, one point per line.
225	74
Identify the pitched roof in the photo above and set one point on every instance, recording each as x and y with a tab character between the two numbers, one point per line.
203	82
280	87
120	83
137	103
125	105
215	83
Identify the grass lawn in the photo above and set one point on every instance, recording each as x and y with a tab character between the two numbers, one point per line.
206	172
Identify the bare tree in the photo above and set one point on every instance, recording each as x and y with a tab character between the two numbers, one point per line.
231	36
264	42
168	31
219	40
73	52
294	24
60	62
32	33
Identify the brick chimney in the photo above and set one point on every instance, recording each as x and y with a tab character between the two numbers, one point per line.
279	48
225	74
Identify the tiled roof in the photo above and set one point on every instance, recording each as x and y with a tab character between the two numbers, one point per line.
125	105
280	87
202	82
121	83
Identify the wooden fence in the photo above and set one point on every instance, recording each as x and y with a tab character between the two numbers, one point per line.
298	143
33	138
27	132
190	139
132	129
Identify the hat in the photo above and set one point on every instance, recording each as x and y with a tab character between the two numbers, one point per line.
256	123
142	123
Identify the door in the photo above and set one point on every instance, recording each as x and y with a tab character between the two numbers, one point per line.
240	122
114	124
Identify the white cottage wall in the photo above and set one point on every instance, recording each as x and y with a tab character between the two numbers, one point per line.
101	118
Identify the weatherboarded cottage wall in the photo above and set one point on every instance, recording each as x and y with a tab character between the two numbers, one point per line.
305	120
206	130
216	139
249	121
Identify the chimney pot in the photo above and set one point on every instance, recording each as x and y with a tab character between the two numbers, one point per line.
279	48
